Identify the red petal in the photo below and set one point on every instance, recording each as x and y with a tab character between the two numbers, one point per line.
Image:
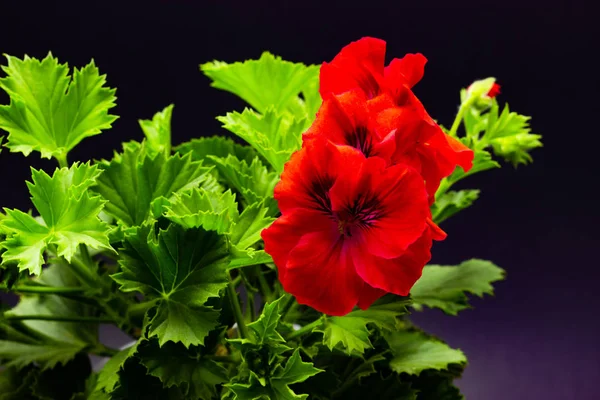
285	233
407	70
321	274
494	91
397	275
309	173
402	208
368	295
358	65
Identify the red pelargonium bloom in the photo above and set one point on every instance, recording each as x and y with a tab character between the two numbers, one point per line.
352	229
494	91
399	134
361	64
422	144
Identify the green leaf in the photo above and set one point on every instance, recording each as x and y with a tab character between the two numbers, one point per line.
183	269
200	208
49	343
482	161
295	371
133	180
265	327
69	213
452	202
351	331
253	181
158	131
268	81
217	146
446	287
247	258
510	135
415	352
275	136
249	226
108	378
173	364
50	111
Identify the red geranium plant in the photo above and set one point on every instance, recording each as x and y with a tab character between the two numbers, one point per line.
285	267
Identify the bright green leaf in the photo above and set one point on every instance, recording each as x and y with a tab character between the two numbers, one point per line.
510	135
50	111
248	257
451	203
275	136
482	161
253	181
268	81
182	268
265	327
249	226
133	180
415	352
200	208
351	331
446	287
158	131
69	213
216	146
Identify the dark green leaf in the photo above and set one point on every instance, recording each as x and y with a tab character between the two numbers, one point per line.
182	268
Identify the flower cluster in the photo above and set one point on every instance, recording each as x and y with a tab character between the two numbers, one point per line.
355	200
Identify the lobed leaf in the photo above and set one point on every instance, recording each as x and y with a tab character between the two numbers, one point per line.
446	287
50	111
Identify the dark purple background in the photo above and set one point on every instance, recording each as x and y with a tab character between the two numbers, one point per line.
537	339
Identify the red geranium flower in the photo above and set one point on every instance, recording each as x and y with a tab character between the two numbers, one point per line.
352	229
399	134
361	64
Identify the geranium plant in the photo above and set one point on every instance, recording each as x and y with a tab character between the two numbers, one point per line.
283	267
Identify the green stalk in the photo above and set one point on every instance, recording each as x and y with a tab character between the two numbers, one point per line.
264	286
237	311
58	318
43	289
305	329
62	160
458	119
223	359
83	271
101	350
287	306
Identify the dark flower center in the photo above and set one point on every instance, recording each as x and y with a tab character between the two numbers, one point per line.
319	192
362	213
361	140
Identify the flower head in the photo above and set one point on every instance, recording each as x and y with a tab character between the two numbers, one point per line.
352	228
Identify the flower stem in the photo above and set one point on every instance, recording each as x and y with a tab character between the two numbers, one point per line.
43	289
237	310
264	285
101	350
83	271
458	119
305	329
223	359
58	318
287	306
62	160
